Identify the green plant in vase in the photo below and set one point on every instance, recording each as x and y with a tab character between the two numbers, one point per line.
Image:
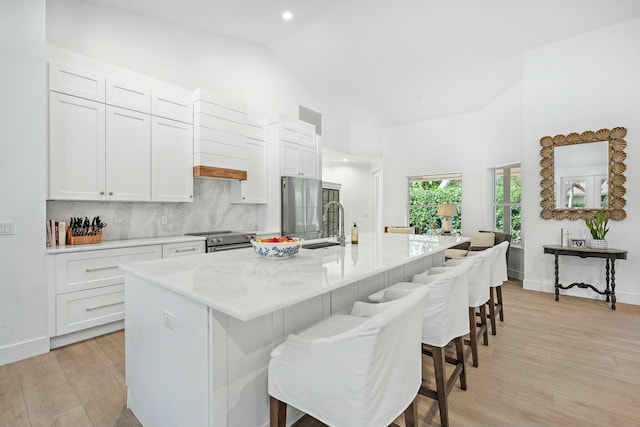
598	228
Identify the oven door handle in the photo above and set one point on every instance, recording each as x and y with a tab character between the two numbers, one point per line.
228	247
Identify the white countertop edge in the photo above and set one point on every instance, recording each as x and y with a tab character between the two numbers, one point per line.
243	317
113	244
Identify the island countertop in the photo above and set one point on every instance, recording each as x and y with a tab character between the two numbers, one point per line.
243	285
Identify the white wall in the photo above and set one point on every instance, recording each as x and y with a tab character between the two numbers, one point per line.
23	327
470	144
587	82
355	193
233	69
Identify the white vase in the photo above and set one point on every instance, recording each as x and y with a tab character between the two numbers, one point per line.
598	244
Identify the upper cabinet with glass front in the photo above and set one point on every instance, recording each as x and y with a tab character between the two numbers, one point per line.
583	173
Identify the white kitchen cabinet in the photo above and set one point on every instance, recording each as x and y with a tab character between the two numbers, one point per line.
76	81
86	291
100	139
172	106
297	144
79	271
124	94
128	155
85	309
172	161
297	134
85	286
298	160
254	189
76	148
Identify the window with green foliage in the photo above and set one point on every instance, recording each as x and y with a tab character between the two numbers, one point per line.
507	208
330	227
426	193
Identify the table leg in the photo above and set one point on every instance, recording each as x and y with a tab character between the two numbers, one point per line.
613	284
557	278
607	280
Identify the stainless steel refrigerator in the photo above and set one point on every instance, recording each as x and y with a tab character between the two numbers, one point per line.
301	207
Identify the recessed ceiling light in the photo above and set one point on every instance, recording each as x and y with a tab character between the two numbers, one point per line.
345	160
287	15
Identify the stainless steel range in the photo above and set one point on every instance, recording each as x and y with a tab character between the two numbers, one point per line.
226	240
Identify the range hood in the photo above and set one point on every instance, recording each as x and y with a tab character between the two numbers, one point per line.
219	137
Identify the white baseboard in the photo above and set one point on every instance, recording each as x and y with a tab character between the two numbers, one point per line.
23	350
621	297
86	334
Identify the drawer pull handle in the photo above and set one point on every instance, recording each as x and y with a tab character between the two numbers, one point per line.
89	270
102	306
185	250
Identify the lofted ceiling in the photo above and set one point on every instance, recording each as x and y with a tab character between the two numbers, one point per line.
387	62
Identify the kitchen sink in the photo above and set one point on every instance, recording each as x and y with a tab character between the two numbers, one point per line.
319	245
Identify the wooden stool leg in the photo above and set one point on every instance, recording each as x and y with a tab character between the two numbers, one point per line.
411	414
441	384
492	311
460	358
278	410
483	316
500	304
473	339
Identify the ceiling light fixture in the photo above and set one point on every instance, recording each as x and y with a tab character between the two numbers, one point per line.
345	160
287	15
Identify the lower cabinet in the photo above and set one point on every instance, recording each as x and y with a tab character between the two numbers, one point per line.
86	288
84	309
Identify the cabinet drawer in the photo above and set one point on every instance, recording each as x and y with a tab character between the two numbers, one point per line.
173	107
76	81
93	269
128	95
86	309
172	250
289	133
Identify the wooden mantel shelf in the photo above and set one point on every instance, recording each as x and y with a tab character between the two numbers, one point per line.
213	172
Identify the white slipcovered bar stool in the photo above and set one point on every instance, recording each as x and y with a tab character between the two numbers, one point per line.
444	322
498	277
356	370
479	281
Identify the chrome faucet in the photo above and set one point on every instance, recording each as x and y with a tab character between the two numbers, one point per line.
341	239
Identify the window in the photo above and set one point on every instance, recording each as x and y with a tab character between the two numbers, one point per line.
330	193
507	209
426	193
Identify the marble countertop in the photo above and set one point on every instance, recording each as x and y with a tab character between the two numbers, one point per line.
245	286
112	244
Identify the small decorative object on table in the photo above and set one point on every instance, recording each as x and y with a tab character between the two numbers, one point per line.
598	228
578	243
277	247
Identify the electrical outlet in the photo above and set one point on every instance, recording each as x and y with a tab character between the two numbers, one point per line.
169	320
163	219
6	228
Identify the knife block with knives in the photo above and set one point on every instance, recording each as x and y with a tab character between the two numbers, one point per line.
83	232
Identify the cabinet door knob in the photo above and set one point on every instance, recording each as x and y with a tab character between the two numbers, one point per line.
191	196
102	193
111	193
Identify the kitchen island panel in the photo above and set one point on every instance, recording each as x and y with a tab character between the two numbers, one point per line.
168	375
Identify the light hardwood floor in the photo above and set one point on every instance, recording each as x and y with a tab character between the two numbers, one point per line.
574	362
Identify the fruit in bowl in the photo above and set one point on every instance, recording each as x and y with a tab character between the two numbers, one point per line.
277	247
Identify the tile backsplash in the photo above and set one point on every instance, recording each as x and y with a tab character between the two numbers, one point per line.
209	211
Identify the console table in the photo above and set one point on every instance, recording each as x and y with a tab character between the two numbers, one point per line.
611	255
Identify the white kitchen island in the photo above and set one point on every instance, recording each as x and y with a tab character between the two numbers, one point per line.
199	329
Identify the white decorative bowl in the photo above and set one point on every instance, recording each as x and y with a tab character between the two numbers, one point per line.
277	250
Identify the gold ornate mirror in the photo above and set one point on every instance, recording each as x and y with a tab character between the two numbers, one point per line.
582	173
